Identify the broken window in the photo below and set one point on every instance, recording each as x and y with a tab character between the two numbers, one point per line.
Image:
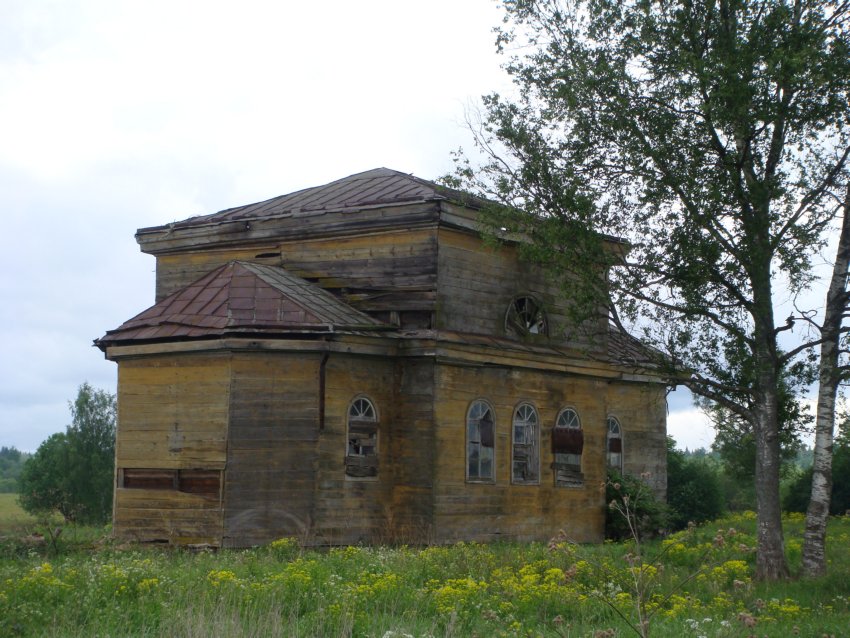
361	458
191	481
567	447
615	444
525	317
480	442
525	465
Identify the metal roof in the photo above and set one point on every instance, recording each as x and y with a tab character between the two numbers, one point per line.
374	188
624	349
238	298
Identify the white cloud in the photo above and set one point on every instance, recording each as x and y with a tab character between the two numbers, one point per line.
118	114
690	428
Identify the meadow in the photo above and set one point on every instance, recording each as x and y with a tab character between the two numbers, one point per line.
693	583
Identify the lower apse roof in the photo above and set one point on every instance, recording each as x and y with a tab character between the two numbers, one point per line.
242	297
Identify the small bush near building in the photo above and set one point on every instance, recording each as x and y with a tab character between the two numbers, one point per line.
633	508
694	488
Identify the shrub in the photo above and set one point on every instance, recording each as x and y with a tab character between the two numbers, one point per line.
796	498
633	508
694	490
72	471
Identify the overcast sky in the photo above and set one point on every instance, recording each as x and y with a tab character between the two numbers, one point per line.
116	115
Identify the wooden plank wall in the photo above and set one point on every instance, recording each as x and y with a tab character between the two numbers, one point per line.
274	428
641	410
488	512
352	510
172	414
394	270
413	452
476	284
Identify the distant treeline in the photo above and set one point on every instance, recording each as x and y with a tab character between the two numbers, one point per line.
802	460
11	462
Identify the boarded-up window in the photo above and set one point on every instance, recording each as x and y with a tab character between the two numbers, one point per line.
149	479
191	481
480	442
567	448
525	461
615	444
205	482
361	458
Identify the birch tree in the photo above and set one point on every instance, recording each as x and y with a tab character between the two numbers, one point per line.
707	135
830	374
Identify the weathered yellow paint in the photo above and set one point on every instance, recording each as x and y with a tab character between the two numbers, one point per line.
376	257
501	509
172	414
271	413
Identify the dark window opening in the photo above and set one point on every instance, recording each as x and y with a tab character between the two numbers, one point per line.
567	448
480	442
525	462
361	459
615	444
525	317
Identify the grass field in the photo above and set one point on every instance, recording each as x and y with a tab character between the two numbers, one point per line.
12	517
696	583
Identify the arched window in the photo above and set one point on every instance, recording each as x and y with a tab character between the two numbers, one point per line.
615	444
361	457
567	446
525	317
525	465
480	442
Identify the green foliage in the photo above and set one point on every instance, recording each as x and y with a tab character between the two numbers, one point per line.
11	463
694	488
702	585
72	472
43	485
799	490
714	139
734	437
633	508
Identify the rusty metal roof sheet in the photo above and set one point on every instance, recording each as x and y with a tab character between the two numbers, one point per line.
377	187
238	298
624	349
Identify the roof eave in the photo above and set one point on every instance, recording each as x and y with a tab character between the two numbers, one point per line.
113	339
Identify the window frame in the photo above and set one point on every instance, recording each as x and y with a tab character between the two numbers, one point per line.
361	465
480	442
571	474
532	461
526	329
609	436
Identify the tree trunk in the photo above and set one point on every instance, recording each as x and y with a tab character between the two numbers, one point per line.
814	557
770	552
770	556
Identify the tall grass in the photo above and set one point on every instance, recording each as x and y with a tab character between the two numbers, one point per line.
12	517
699	585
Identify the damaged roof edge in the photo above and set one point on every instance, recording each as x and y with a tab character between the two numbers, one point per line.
377	188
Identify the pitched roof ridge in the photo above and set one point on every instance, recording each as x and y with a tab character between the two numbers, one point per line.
262	272
377	187
228	299
257	271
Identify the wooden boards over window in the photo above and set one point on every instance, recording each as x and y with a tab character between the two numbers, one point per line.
191	481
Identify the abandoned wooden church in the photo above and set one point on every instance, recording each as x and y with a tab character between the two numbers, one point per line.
351	363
